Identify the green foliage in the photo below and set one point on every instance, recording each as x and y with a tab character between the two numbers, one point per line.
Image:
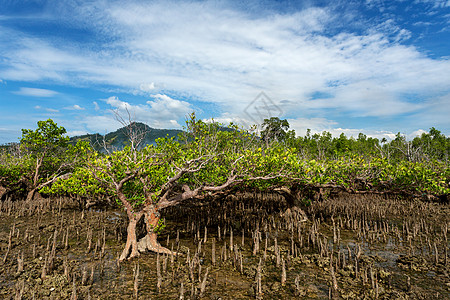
159	227
275	129
11	171
433	144
48	137
217	153
45	154
237	152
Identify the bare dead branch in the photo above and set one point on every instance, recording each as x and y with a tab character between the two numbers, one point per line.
134	134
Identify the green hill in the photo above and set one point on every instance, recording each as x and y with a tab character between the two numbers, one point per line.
119	138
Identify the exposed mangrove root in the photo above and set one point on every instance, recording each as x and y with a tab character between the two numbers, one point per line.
149	242
131	244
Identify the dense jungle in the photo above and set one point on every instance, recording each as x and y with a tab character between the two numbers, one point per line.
219	212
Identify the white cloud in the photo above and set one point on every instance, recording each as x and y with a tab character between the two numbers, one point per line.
34	92
100	124
163	112
215	53
436	3
52	110
436	111
74	107
390	29
227	118
416	133
76	133
147	87
117	104
168	108
96	107
317	125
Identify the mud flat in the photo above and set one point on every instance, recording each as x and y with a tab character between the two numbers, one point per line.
245	247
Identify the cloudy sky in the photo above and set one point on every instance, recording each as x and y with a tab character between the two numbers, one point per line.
375	66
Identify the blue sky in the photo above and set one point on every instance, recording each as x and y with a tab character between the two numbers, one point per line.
375	66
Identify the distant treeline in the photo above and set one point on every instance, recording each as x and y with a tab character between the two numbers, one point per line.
431	145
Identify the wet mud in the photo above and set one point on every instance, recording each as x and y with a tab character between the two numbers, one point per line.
249	246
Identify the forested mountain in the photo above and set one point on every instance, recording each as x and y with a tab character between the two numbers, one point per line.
119	138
